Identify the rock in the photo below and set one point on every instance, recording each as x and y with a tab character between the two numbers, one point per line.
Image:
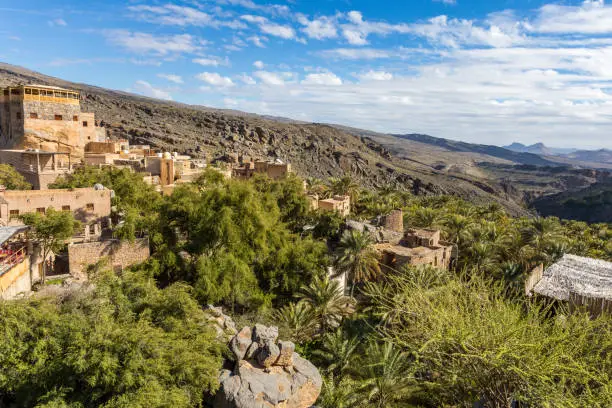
240	343
268	354
263	334
285	359
267	374
252	351
223	324
252	387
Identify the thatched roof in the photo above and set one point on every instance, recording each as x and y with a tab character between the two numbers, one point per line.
584	276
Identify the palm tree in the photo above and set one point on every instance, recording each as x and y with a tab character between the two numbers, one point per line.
482	256
386	374
327	302
299	319
456	227
345	186
338	394
425	217
357	258
337	352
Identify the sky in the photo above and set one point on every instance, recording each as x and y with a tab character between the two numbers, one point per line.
482	71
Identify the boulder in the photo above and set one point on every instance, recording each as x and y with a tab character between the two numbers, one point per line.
267	374
241	342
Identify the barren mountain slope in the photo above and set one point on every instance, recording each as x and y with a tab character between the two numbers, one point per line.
314	150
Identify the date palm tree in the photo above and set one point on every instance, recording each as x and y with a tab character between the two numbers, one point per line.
299	318
387	376
328	304
337	352
357	258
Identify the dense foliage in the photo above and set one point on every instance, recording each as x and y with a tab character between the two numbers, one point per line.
416	337
11	179
125	343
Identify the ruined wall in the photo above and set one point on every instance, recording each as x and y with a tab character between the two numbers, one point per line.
120	254
78	200
395	221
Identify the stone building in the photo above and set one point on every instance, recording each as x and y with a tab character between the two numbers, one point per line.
20	262
38	168
273	169
46	118
418	247
90	206
339	204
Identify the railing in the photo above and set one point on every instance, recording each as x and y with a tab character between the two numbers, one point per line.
11	260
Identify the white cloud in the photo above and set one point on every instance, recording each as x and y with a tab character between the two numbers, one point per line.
171	14
322	78
146	89
258	41
271	78
319	28
375	76
448	2
215	79
271	28
592	17
58	22
259	64
177	79
144	43
248	80
212	61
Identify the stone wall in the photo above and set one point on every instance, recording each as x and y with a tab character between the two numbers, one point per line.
395	221
120	254
16	280
87	204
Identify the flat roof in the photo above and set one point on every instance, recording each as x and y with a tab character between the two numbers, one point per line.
405	251
576	274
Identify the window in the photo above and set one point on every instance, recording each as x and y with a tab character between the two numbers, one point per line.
14	214
65	208
6	92
89	207
84	123
40	210
75	118
15	91
58	117
92	229
28	91
33	115
35	91
18	115
63	95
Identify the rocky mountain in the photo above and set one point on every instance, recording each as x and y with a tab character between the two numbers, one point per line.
314	150
596	156
537	148
590	204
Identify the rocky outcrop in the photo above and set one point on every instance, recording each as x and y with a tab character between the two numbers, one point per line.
267	373
223	324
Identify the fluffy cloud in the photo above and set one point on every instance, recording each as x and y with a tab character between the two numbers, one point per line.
144	43
258	64
271	28
58	22
212	61
177	79
171	14
322	78
215	79
319	28
146	89
375	76
271	78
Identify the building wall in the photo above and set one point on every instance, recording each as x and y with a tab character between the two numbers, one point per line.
120	254
46	123
16	280
395	221
102	147
76	199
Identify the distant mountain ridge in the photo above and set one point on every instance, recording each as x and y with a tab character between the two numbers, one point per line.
597	156
538	148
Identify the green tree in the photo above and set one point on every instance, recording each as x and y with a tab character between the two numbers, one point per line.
51	231
337	352
328	304
11	179
120	343
357	258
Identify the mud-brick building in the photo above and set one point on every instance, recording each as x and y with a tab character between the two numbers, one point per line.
46	118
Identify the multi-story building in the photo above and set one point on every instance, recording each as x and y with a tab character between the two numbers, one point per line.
38	168
46	118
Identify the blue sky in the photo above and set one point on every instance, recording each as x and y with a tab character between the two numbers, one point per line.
481	71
